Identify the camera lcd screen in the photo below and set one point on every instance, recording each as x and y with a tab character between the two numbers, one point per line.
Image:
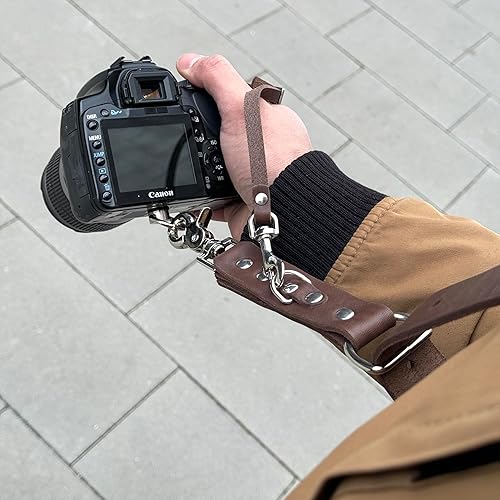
151	156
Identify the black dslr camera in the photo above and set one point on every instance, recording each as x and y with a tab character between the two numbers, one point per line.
133	140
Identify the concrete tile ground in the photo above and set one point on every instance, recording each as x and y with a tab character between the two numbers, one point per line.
124	371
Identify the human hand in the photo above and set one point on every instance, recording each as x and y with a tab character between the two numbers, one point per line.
285	135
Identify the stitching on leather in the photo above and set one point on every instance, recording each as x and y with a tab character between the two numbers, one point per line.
390	203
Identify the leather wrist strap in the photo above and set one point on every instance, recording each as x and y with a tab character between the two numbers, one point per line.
370	320
334	313
258	167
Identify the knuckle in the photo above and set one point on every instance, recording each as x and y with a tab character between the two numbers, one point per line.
215	62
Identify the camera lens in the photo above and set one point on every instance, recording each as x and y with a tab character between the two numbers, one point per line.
57	201
150	90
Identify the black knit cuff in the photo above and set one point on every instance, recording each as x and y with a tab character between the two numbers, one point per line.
319	209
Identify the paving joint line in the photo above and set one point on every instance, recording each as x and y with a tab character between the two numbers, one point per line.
417	108
64	258
115	424
341	147
425	45
469	112
357	17
4	409
256	20
241	424
359	63
102	28
467	16
463	191
193	379
208	393
338	84
10	83
287	490
221	33
25	77
459	4
164	285
8	223
52	448
470	50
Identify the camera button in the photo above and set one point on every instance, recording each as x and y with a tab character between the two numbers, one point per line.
104	112
215	159
100	161
92	125
97	144
198	135
103	178
106	196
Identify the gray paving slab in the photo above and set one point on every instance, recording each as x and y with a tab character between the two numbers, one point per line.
324	136
480	202
29	469
7	74
481	130
360	166
402	138
73	48
482	65
129	262
5	215
180	444
166	30
327	15
436	23
265	369
484	12
414	71
231	15
70	363
317	65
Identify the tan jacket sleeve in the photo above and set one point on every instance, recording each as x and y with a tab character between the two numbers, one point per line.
403	251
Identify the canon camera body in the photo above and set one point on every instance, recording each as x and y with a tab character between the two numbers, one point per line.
135	139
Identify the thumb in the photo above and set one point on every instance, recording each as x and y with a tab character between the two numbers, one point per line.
217	76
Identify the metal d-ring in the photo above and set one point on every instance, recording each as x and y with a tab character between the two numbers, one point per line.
373	369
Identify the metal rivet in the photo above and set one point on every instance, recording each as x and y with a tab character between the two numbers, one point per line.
195	238
314	298
261	198
344	313
290	287
244	263
262	276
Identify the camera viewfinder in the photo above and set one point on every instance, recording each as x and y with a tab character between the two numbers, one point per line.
150	89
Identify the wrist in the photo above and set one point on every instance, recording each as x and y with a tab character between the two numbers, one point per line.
319	209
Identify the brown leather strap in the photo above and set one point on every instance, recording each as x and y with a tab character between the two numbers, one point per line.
451	303
412	369
370	320
454	302
258	168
